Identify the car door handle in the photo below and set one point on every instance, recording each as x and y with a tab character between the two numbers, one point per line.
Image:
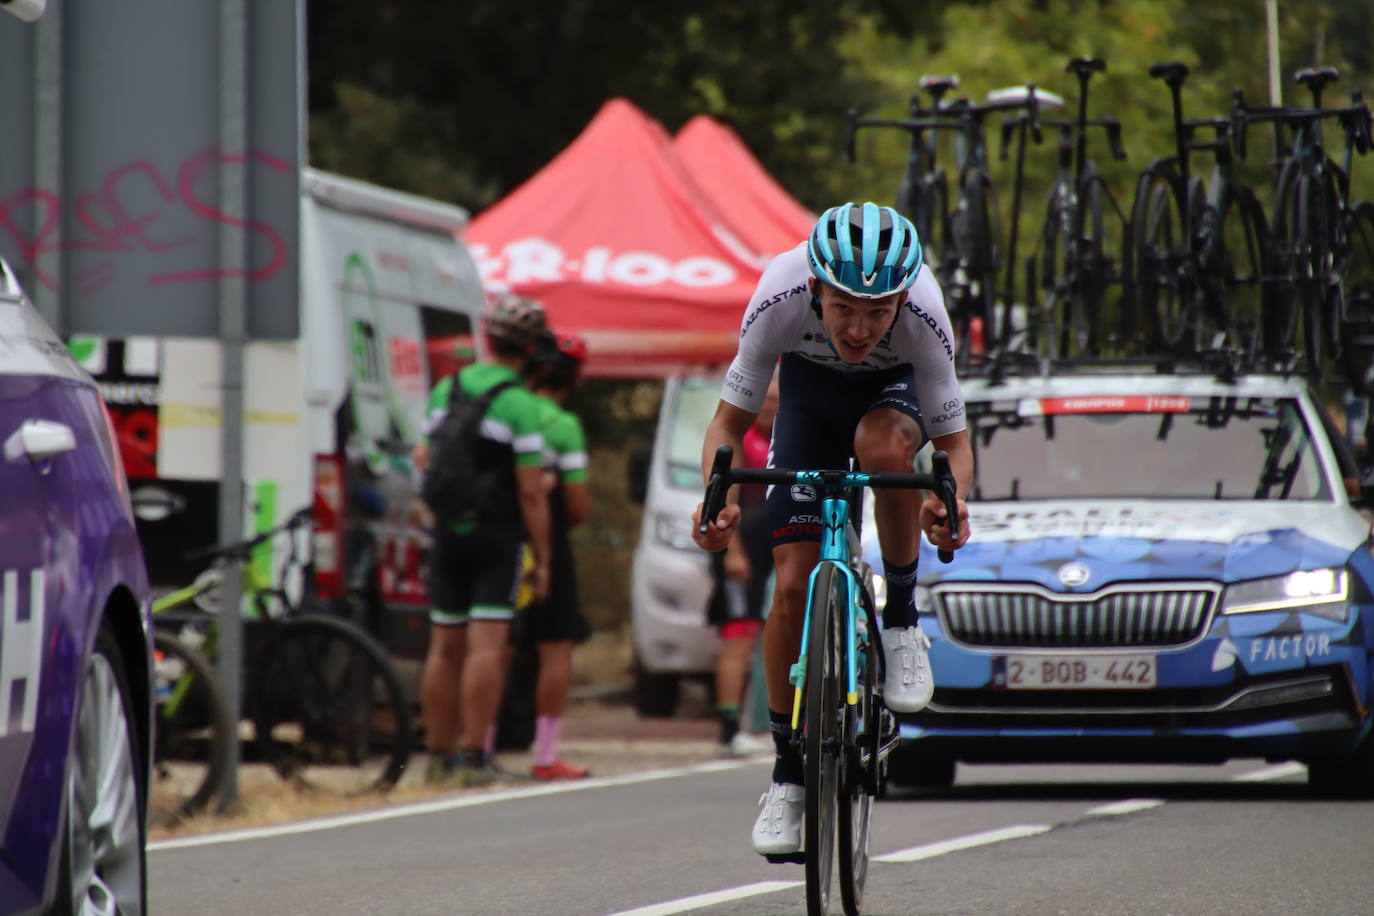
40	440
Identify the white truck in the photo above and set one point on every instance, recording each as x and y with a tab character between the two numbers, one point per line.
389	300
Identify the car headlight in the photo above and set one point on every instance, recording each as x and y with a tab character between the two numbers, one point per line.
1313	591
674	530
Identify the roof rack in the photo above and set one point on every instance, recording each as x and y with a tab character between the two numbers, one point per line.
1225	365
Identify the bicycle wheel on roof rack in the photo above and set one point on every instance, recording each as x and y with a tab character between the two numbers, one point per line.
978	256
1282	304
1063	335
1165	278
825	706
1357	284
1236	243
1312	249
328	708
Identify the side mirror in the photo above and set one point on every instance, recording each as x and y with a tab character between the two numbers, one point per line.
639	472
27	10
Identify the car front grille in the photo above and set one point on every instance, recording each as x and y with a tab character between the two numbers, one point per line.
1026	616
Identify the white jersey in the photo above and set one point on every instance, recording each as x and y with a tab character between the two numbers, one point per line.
780	320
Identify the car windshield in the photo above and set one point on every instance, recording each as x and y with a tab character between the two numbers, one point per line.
693	408
1144	447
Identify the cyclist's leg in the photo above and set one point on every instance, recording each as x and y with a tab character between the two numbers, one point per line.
887	439
450	593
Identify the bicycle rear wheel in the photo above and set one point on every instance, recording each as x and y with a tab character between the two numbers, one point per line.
1357	284
824	724
1163	262
860	772
1313	249
1234	253
191	746
329	710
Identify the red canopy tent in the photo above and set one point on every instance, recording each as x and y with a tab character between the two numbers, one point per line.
621	246
761	212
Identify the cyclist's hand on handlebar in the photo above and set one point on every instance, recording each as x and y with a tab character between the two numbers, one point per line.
718	533
932	521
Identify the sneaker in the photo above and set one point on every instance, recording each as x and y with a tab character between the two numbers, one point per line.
778	830
908	686
560	769
746	745
440	768
474	772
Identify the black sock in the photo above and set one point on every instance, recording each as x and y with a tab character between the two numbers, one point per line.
900	610
787	765
729	723
472	757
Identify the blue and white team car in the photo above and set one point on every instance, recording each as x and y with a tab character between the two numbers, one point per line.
1162	568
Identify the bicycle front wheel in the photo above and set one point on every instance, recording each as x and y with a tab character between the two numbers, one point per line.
1357	286
191	746
329	710
1163	261
824	723
860	772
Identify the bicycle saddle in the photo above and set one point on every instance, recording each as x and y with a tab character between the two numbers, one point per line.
1017	96
1086	66
1315	78
1172	72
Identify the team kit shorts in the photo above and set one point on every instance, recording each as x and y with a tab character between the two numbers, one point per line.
819	409
475	576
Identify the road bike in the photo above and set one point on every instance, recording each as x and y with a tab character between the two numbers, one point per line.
1320	238
1200	251
327	707
839	723
1071	265
970	252
191	737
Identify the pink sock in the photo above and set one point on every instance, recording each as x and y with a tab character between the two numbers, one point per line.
490	745
546	729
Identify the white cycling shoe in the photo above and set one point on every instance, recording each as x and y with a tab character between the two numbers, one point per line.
778	831
909	685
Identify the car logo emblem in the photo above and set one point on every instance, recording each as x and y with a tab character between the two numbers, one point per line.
1073	574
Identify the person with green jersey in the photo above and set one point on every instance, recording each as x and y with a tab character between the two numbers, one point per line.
556	624
475	564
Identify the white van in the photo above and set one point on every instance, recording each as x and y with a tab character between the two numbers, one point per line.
671	580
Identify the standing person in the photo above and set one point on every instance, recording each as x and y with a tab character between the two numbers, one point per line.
864	341
475	562
741	574
556	624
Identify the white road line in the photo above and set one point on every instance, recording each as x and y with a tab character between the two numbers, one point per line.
931	850
1126	806
1277	771
703	900
441	804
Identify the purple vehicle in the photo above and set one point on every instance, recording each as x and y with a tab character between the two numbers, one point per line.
75	695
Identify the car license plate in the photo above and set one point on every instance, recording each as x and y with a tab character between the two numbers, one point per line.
1078	672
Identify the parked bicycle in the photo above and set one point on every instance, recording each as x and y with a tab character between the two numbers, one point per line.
1199	250
1071	266
327	707
839	723
970	249
1320	238
191	738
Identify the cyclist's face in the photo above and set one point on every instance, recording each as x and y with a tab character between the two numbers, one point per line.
854	325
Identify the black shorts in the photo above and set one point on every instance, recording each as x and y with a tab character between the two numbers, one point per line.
474	576
819	410
559	617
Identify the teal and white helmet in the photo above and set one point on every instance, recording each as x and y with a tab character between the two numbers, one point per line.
867	251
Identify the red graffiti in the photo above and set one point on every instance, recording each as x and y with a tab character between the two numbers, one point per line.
138	210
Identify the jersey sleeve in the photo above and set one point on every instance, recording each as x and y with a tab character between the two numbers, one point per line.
569	441
768	330
436	408
520	409
931	352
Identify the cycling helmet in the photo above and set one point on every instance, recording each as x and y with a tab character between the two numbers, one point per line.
867	251
572	346
517	320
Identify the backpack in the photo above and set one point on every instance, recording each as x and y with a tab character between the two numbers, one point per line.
453	486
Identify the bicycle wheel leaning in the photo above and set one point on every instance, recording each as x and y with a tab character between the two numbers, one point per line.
859	769
328	708
191	745
824	722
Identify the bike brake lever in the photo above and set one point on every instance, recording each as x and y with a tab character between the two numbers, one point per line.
947	488
716	487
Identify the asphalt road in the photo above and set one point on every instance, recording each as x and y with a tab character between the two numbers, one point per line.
1244	838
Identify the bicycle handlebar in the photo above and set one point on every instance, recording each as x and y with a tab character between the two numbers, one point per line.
243	549
941	481
1354	120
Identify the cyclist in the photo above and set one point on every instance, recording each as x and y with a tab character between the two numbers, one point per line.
556	624
475	564
864	341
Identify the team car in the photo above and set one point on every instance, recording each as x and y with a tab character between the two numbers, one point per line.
75	675
1168	566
